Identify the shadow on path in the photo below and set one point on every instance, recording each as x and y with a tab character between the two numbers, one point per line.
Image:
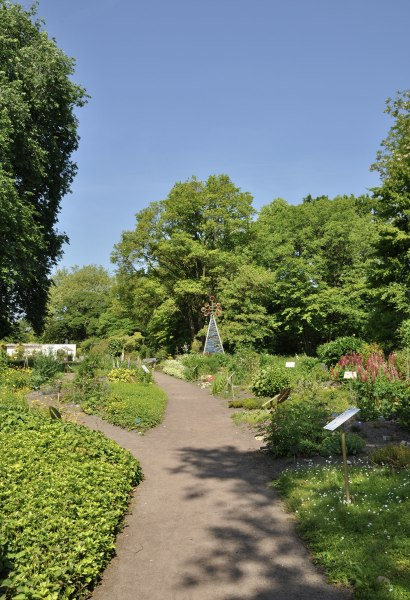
251	542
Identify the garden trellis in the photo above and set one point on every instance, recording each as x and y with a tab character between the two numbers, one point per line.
213	342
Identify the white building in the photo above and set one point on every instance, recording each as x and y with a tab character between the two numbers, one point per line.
70	350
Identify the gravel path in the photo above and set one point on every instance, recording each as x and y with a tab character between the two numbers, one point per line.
204	525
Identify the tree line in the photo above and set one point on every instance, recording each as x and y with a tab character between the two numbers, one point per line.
288	278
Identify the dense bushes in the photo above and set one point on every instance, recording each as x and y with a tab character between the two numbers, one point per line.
331	352
296	429
133	405
270	381
63	492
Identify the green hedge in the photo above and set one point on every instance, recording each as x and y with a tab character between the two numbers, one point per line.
63	492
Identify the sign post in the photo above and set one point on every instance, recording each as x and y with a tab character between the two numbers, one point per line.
335	424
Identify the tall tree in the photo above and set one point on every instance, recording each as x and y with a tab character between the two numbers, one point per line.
317	253
79	301
38	134
390	273
177	254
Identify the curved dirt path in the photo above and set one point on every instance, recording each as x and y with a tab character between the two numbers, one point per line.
204	525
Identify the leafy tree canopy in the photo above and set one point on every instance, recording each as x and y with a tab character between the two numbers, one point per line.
38	134
390	273
79	298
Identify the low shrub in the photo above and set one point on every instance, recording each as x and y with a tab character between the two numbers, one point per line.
133	405
14	378
45	369
175	368
247	403
270	381
129	375
330	352
332	444
296	429
397	457
63	492
382	398
220	383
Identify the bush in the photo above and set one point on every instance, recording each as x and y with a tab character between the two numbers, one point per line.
135	375
63	492
332	444
397	457
270	381
14	378
88	389
296	427
331	352
45	369
175	368
134	405
382	398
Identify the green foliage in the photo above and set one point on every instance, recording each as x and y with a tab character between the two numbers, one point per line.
330	352
175	368
270	381
390	270
45	370
252	418
200	364
247	403
397	457
296	429
342	536
332	444
381	398
15	378
129	375
88	389
133	405
78	298
38	134
74	485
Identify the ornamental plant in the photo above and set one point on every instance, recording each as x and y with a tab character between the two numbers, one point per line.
270	381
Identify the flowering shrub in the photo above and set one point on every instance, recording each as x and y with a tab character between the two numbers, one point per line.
174	368
378	388
376	366
126	375
15	379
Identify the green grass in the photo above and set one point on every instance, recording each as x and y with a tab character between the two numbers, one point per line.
63	492
360	542
134	405
251	417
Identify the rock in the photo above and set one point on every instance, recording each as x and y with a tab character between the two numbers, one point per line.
381	579
404	443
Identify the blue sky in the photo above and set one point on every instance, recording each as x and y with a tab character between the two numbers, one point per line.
285	96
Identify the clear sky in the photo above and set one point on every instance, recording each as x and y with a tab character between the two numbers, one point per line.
284	96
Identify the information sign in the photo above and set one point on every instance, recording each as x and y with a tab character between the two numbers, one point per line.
350	375
290	365
348	414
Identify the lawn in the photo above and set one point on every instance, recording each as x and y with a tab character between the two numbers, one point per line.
365	544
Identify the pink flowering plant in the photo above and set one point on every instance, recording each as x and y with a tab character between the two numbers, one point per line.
380	391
